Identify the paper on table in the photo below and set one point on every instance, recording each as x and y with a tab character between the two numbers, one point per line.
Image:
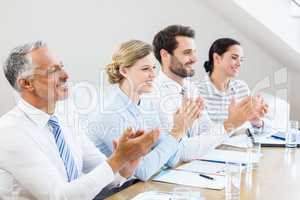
190	179
237	141
242	139
282	136
153	196
223	156
157	195
270	141
203	167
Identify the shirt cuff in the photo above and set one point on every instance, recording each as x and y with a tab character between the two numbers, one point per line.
119	180
104	168
258	124
172	140
98	178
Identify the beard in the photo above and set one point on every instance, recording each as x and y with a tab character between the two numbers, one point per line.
180	69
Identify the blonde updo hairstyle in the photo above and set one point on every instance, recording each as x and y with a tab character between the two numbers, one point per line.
126	55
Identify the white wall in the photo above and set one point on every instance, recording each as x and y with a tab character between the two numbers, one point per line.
276	15
85	33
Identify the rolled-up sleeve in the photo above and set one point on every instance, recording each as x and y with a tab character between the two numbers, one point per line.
204	136
159	156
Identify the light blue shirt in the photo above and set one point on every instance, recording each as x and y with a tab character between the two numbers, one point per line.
122	113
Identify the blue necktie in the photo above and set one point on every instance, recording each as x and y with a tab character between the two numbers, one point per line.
64	149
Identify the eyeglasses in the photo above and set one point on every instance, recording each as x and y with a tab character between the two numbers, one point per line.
49	71
55	68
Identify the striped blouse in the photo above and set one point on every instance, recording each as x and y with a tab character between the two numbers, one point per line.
217	102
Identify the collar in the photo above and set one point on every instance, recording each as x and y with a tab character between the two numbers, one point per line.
174	87
168	82
127	102
39	117
213	90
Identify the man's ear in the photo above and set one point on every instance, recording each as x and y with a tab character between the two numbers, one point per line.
164	53
25	84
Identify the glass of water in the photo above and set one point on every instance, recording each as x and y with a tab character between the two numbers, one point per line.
181	193
291	134
233	181
253	155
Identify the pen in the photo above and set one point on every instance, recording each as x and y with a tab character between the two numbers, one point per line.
277	137
222	162
205	176
214	161
249	134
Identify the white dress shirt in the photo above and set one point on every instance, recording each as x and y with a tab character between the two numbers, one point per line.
204	134
30	164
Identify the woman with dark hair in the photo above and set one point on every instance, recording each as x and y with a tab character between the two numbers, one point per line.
219	88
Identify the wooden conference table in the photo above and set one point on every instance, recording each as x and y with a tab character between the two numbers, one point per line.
276	178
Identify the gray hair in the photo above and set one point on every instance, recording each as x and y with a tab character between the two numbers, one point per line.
19	62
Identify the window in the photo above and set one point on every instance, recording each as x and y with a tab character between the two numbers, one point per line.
295	8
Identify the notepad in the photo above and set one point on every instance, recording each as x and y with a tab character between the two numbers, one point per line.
237	141
223	156
281	136
203	167
275	139
157	195
270	142
153	195
190	179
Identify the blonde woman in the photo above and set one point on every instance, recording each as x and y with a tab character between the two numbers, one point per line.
133	71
